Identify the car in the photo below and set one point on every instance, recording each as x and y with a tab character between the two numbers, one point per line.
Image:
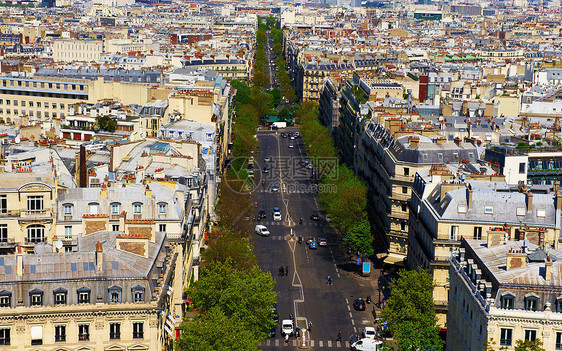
369	333
309	239
287	327
359	304
291	145
283	135
275	188
322	242
261	230
265	170
314	217
267	158
313	245
292	137
272	331
261	215
309	166
277	216
366	345
297	134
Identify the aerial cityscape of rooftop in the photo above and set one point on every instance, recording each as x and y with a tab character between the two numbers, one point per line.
262	175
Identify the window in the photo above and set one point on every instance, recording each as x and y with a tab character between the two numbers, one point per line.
37	335
93	208
162	208
83	332
454	232
558	340
115	331
5	299
505	336
507	302
477	233
530	335
137	208
402	226
162	228
35	203
115	227
36	233
60	296
488	210
5	336
404	190
68	232
531	303
3	233
541	212
521	211
83	295
522	168
36	297
60	333
3	204
68	210
404	207
461	208
406	171
138	293
138	332
115	208
115	294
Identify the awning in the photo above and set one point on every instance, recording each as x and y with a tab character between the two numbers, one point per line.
394	259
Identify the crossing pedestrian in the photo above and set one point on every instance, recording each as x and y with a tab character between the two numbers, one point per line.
351	339
287	270
329	282
339	336
309	326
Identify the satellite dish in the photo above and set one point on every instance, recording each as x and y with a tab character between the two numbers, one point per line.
58	244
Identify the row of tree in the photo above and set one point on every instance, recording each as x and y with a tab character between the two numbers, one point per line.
343	194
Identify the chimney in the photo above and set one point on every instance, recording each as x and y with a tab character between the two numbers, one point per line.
414	141
440	141
99	257
147	191
558	201
469	192
515	259
529	201
458	141
555	186
103	191
83	169
19	261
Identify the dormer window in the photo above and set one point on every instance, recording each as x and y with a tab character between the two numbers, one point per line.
5	298
137	208
507	302
83	295
531	303
162	208
93	207
114	294
60	296
115	208
36	297
138	293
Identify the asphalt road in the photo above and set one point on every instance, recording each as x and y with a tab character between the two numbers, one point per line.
304	293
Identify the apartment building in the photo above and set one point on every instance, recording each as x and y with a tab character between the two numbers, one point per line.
388	158
502	292
69	50
446	208
113	293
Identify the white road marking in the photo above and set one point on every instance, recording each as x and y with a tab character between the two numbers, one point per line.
320	343
329	343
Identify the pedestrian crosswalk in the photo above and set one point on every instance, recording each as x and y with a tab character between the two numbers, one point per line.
310	343
272	223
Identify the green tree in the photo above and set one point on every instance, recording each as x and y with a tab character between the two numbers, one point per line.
410	311
243	92
106	123
359	238
214	331
275	94
261	79
229	246
261	102
284	114
271	21
246	295
527	345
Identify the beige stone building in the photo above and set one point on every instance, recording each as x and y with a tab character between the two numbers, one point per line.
504	291
69	50
446	209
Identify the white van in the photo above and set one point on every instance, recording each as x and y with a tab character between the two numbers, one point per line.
367	345
261	230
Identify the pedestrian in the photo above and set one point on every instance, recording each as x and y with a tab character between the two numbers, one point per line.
287	270
329	282
351	339
298	332
339	336
310	326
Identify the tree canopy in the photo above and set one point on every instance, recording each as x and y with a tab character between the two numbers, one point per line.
410	311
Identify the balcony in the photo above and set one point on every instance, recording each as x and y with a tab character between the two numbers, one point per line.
401	215
400	196
35	214
7	242
403	178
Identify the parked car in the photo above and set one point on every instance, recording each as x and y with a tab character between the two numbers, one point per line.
261	230
322	242
359	304
369	333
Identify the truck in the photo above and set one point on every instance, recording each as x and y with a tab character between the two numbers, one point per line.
279	125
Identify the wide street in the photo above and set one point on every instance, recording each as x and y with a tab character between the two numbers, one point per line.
304	293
